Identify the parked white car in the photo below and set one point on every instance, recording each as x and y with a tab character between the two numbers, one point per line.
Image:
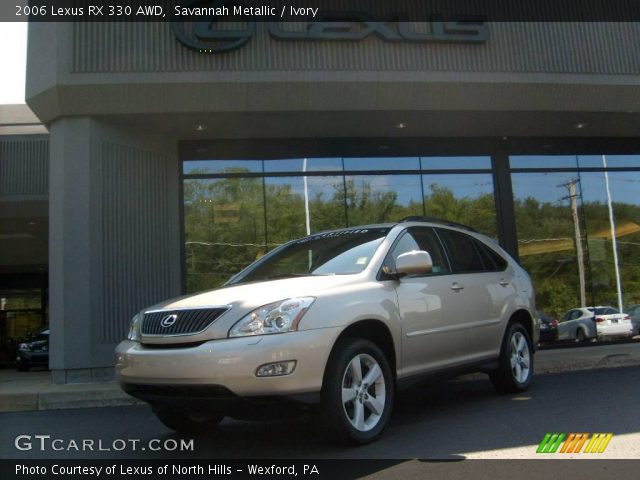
588	323
610	323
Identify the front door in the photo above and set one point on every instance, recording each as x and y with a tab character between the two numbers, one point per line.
430	309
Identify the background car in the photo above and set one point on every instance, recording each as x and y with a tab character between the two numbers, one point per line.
610	323
33	352
548	328
589	323
577	325
634	312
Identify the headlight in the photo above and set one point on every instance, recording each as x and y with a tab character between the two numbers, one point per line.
277	317
24	347
134	330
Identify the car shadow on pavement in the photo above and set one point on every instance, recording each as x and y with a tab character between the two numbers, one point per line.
451	420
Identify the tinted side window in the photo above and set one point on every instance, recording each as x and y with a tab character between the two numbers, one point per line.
423	239
491	259
463	254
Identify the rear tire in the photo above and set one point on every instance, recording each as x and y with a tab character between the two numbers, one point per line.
357	392
580	336
515	369
185	423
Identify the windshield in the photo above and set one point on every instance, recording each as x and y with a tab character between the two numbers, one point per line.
340	252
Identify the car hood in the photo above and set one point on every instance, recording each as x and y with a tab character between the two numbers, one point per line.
242	299
249	296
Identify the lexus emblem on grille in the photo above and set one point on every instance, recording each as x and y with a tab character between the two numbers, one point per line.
168	320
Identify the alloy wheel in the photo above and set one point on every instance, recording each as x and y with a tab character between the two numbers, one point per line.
363	392
520	357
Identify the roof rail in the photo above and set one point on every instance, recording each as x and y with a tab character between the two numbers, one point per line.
422	218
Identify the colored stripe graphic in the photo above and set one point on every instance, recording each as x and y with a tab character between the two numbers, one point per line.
550	443
598	443
574	442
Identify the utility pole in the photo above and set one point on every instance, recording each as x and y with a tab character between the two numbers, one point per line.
571	186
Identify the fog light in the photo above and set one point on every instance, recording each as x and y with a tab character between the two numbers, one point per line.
277	369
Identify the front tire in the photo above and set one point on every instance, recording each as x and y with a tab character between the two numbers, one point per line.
515	369
581	337
185	423
357	393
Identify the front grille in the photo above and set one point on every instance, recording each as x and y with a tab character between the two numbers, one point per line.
184	323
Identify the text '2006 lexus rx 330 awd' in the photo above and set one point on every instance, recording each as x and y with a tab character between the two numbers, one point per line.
337	321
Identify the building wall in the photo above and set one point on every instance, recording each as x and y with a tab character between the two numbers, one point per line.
515	47
24	186
24	165
114	238
141	68
119	97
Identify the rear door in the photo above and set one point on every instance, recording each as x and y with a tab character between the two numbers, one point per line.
485	282
567	325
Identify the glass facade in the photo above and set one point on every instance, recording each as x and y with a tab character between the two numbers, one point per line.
237	210
564	219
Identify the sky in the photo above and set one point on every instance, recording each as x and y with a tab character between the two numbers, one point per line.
13	57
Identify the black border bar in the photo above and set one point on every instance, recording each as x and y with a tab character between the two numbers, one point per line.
280	10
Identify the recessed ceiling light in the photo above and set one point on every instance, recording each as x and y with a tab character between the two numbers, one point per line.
580	125
200	127
401	125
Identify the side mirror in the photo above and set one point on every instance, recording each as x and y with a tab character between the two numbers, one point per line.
414	263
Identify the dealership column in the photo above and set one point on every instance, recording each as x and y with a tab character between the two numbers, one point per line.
114	243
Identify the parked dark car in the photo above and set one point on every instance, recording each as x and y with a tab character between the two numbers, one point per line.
33	352
548	328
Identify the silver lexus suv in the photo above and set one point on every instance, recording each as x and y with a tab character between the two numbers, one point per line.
336	322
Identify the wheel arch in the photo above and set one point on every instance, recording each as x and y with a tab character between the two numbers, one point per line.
523	317
375	331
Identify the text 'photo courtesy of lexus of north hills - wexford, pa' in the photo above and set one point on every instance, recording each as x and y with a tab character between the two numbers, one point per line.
334	323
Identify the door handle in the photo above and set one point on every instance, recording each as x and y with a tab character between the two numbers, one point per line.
456	286
503	282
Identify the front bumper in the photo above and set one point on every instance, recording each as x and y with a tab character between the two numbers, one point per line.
231	363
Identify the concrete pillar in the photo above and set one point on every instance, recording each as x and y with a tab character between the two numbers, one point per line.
114	243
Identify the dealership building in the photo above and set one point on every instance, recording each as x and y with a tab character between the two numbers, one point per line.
174	159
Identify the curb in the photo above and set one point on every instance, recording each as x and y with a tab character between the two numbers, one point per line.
71	396
609	361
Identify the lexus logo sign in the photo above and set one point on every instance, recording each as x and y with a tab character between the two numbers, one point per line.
168	320
209	34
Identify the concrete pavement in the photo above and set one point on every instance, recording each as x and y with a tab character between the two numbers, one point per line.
27	391
456	420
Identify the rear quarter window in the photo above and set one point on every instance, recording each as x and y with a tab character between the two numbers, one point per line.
464	255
